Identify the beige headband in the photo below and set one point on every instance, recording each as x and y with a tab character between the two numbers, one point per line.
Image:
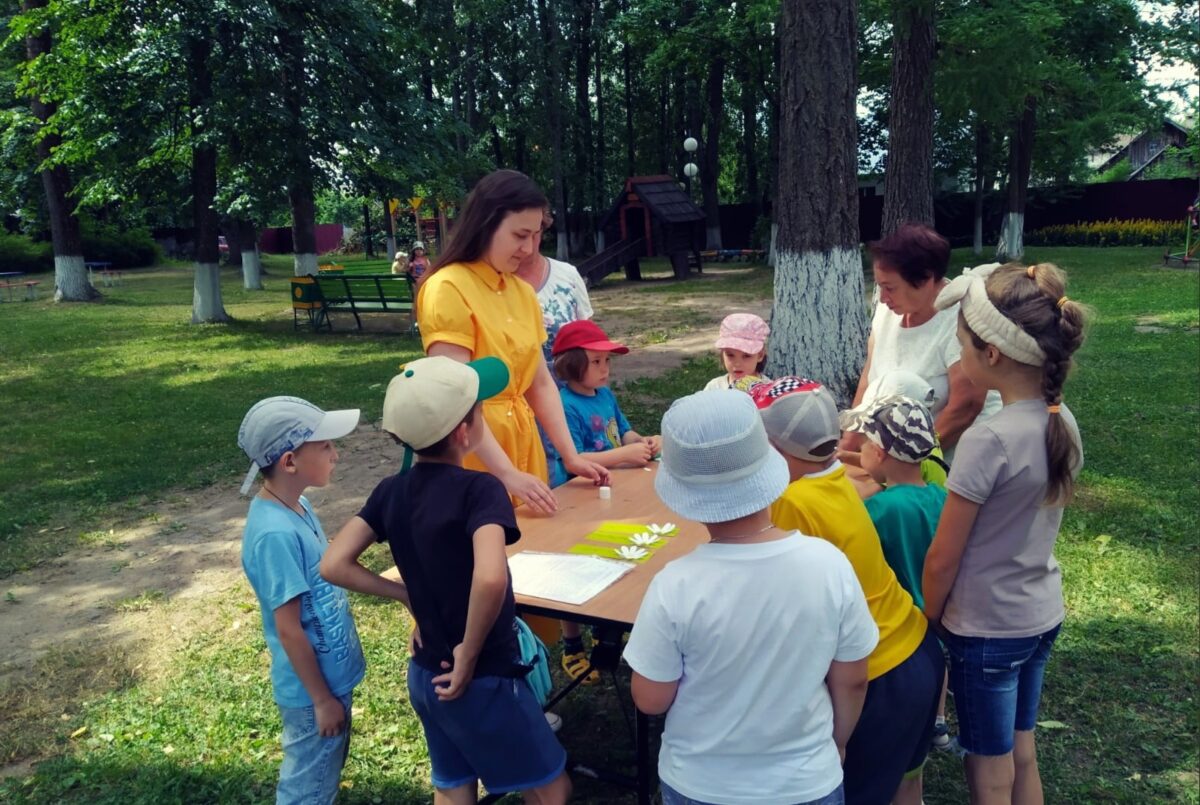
969	292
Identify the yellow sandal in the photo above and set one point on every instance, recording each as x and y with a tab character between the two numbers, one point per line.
576	664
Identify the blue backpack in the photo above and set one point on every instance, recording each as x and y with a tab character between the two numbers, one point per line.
534	654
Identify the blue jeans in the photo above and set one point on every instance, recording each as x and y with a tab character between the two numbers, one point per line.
672	797
312	765
997	685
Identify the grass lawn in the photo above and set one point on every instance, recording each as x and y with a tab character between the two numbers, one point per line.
106	406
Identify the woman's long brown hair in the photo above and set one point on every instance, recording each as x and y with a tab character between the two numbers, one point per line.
493	197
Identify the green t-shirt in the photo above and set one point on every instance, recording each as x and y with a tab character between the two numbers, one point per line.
906	518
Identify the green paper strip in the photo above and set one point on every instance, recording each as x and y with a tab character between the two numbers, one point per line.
607	553
610	527
622	539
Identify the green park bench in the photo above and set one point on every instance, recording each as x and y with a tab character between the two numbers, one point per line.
356	293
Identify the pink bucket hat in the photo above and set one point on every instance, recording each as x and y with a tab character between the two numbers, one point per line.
744	332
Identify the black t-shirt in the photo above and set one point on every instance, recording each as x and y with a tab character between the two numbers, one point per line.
428	516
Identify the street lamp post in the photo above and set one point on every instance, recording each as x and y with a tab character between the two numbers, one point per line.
690	170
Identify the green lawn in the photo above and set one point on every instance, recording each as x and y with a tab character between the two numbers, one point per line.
106	405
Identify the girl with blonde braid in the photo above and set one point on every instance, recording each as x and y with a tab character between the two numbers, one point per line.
992	586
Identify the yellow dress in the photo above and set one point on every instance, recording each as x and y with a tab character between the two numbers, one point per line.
471	305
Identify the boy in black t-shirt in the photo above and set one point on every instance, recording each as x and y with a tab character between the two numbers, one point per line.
447	528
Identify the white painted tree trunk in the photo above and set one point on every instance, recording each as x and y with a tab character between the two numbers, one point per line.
391	247
207	307
71	282
305	264
563	246
771	246
977	245
712	237
600	241
1012	238
819	322
251	270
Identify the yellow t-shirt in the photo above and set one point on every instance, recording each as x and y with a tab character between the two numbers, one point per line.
472	305
825	505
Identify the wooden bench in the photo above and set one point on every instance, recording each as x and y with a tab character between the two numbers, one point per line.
366	293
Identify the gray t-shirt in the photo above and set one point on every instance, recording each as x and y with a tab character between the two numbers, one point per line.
1008	582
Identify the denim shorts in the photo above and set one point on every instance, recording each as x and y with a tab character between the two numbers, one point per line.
312	765
997	685
495	732
672	797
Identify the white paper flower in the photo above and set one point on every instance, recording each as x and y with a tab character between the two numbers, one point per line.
631	552
643	539
666	528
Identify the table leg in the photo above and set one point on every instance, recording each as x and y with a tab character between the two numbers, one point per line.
641	731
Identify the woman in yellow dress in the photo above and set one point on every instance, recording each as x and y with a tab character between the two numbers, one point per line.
471	304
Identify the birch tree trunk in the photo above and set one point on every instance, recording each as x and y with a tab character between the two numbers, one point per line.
71	283
819	325
1020	160
908	182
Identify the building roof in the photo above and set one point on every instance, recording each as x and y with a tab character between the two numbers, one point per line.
662	195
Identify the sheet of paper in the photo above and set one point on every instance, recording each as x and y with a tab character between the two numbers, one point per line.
569	578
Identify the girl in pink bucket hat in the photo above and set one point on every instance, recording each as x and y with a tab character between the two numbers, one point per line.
742	347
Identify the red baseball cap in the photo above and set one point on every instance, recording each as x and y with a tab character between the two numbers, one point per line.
584	334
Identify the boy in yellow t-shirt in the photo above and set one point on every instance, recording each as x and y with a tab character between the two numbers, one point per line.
887	750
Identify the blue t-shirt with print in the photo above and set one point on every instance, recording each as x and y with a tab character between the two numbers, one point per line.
595	421
281	554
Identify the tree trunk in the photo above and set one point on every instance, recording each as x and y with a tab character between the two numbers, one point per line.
207	306
773	115
629	140
304	226
819	326
584	146
715	96
908	183
982	146
389	228
1020	160
749	103
552	56
251	263
600	163
300	182
71	283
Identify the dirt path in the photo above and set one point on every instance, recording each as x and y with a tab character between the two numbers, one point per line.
103	593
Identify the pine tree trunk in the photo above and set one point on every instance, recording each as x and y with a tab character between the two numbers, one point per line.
982	144
552	56
207	306
715	96
1020	161
71	281
908	183
819	326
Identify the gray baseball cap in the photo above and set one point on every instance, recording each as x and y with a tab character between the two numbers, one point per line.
276	425
800	416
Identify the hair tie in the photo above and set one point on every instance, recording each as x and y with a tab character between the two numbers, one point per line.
1054	409
1029	271
1062	300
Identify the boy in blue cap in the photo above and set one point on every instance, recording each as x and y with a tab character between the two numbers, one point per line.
447	527
316	659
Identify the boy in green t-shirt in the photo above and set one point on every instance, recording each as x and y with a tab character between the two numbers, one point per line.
899	436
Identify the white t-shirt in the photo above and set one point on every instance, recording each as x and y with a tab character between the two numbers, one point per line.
564	298
749	631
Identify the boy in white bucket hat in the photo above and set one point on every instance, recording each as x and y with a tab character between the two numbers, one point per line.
771	626
316	659
447	528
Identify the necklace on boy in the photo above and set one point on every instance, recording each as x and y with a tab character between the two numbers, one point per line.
743	536
303	512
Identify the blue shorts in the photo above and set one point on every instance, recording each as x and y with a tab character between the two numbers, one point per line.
895	730
997	685
312	765
495	732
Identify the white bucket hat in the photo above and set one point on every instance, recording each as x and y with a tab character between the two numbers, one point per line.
717	464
